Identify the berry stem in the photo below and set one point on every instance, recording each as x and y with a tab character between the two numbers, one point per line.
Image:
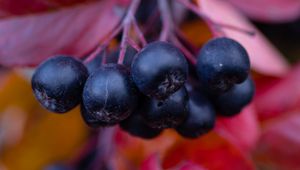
139	32
127	21
216	27
166	19
133	44
189	56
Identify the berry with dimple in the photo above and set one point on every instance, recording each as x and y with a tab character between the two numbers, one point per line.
136	126
159	69
200	119
58	82
222	63
233	101
167	113
109	94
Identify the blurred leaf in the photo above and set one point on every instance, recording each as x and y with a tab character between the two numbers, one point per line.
280	98
279	145
269	10
46	137
264	57
210	151
234	129
23	7
28	40
151	163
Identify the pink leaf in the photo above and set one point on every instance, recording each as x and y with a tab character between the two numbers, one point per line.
191	166
279	145
269	10
242	130
280	98
23	7
28	40
151	163
264	57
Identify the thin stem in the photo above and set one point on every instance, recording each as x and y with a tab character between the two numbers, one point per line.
215	26
104	44
127	25
133	44
139	32
189	56
166	20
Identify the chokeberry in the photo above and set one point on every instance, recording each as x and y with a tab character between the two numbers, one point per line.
91	119
95	63
221	63
159	70
167	113
200	119
58	82
136	126
233	101
109	94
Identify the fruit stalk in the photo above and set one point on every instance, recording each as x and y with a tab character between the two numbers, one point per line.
166	19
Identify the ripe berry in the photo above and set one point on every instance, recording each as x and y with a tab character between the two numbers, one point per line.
136	126
222	62
233	101
91	119
58	82
200	119
109	95
95	63
159	70
166	113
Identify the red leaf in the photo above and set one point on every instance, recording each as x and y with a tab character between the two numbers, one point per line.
280	98
264	57
235	129
279	145
269	10
210	151
21	7
151	163
191	166
28	40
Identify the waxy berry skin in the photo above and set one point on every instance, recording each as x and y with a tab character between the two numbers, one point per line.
92	120
200	119
136	126
233	101
58	82
167	113
109	94
221	63
159	70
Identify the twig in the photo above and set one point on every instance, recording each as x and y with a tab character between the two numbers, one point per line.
189	56
139	32
166	20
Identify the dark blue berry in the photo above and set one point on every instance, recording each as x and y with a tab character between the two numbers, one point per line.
136	126
95	63
159	70
109	95
222	62
167	113
58	82
91	119
233	101
200	119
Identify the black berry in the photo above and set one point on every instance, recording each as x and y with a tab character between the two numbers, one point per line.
200	119
91	119
222	62
58	82
159	70
166	113
233	101
109	95
136	126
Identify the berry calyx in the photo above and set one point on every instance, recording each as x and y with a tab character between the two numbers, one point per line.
109	95
222	63
159	69
58	82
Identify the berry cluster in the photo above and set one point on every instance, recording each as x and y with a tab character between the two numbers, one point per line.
153	91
